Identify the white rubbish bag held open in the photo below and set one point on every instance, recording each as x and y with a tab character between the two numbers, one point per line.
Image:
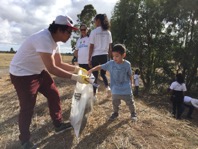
82	103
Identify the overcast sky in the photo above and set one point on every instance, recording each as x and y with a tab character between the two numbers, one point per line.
21	18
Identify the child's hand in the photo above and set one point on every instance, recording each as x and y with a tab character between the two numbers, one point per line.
89	72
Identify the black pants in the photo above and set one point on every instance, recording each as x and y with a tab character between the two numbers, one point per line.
136	90
190	111
98	60
85	66
177	107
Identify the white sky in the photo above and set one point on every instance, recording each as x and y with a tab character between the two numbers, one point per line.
21	18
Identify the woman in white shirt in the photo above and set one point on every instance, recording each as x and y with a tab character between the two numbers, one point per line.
82	48
178	88
100	47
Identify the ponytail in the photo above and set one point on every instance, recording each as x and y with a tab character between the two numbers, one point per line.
104	21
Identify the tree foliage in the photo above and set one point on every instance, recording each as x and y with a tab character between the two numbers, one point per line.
161	38
85	17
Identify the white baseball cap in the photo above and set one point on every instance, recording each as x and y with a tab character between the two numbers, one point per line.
194	102
65	20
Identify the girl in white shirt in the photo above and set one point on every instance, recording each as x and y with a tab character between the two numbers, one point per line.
100	47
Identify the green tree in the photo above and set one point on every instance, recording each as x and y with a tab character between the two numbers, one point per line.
161	37
12	50
87	14
182	16
85	17
139	25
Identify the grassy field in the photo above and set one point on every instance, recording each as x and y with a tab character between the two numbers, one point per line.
155	128
5	59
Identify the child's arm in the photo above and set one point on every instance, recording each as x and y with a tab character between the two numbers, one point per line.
94	69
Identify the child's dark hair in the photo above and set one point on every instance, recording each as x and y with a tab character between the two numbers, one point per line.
54	27
137	71
179	78
104	21
120	48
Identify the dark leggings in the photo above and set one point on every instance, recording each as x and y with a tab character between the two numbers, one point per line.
98	60
190	109
177	100
85	66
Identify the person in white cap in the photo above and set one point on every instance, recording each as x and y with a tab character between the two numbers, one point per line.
38	56
190	103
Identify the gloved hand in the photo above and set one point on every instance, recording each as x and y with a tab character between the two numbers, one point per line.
77	68
84	79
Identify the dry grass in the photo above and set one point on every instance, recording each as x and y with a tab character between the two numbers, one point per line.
155	129
5	59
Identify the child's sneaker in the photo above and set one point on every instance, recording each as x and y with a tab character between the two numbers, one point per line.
134	118
108	90
63	127
113	116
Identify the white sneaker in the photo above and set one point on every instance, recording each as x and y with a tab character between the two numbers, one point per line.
134	118
108	90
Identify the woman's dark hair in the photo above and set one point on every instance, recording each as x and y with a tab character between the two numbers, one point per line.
137	71
120	48
179	78
104	21
54	27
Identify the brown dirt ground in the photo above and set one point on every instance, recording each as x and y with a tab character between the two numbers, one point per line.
155	128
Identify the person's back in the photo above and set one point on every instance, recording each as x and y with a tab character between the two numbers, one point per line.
101	40
100	47
178	88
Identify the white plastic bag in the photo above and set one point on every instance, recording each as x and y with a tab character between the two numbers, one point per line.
82	102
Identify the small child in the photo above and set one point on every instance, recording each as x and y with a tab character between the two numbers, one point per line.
136	82
120	80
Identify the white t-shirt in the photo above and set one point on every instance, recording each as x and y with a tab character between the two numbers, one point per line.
178	87
101	40
187	99
82	46
27	60
136	79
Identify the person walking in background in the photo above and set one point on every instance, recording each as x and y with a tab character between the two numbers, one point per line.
74	59
121	80
29	72
82	48
136	82
100	47
177	88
